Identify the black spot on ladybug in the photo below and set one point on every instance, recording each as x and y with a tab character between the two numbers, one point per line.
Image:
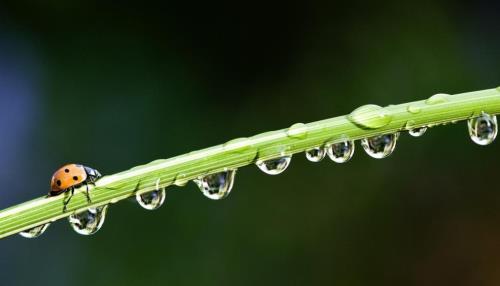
66	170
58	182
75	178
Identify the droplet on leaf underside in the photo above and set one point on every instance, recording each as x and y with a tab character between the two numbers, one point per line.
380	146
274	166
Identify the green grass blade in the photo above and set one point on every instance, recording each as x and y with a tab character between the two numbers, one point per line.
364	122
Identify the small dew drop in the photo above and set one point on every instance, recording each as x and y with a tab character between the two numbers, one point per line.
370	116
35	232
437	98
413	109
88	222
417	132
180	180
381	146
483	129
315	154
274	166
237	141
340	152
238	145
151	200
216	186
297	130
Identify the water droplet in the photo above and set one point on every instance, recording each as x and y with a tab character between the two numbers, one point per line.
237	141
274	166
437	98
90	221
413	109
238	145
35	232
417	132
181	180
380	146
315	154
298	130
151	200
340	152
216	186
370	116
483	129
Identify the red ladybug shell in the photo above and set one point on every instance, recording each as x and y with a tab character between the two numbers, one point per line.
66	177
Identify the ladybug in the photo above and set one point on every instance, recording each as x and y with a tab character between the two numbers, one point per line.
72	176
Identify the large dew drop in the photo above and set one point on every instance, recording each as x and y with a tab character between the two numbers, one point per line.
151	200
88	222
216	186
340	152
315	154
370	116
381	146
274	166
483	129
35	232
417	132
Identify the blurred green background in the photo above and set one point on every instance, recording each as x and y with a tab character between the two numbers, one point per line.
120	84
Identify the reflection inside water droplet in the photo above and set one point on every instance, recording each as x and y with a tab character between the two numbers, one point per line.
381	146
417	132
216	186
340	152
274	166
315	154
35	232
483	129
151	200
88	222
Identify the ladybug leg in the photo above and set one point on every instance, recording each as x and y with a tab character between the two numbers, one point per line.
87	193
66	202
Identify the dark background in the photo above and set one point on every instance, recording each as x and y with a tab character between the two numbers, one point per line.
121	84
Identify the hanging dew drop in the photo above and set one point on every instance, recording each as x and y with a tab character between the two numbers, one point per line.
216	186
381	146
417	132
483	129
274	166
151	200
370	116
340	152
315	154
88	222
35	232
